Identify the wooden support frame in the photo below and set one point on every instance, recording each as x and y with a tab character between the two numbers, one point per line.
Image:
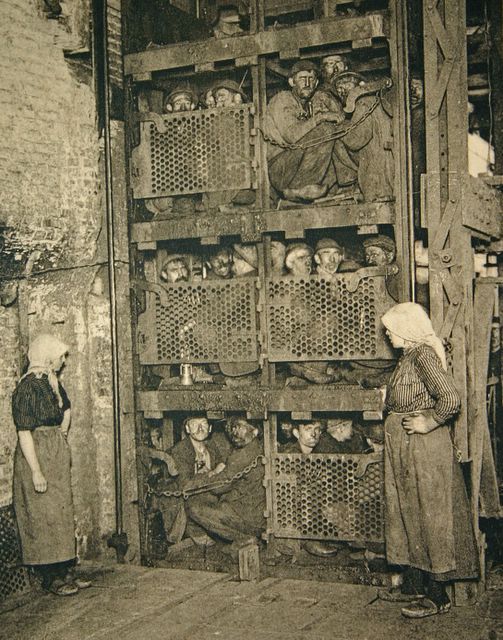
455	316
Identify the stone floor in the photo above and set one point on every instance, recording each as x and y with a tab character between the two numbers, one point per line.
139	603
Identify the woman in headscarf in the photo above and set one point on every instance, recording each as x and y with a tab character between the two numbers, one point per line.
42	485
428	522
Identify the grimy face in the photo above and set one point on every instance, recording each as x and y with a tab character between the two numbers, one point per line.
198	429
304	84
329	259
344	86
341	430
242	433
301	263
221	263
377	256
308	434
416	92
332	66
227	98
175	271
182	102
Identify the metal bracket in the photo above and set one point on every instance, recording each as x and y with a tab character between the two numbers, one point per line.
365	461
354	278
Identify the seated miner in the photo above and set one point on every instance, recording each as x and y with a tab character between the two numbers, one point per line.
227	93
181	98
304	119
329	258
307	436
299	263
332	66
219	264
369	141
198	458
244	260
175	269
343	436
227	23
380	251
234	511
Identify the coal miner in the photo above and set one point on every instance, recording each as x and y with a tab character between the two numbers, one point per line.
175	269
227	93
332	66
198	458
380	251
304	121
369	142
299	259
181	98
234	511
329	258
219	264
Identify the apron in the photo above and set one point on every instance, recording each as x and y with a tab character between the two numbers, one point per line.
428	520
45	520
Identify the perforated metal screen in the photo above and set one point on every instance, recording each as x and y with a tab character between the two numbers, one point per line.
323	497
13	577
198	151
317	319
204	322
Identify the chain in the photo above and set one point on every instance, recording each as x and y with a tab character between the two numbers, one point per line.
334	136
218	484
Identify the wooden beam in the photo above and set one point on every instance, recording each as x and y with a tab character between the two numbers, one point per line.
273	40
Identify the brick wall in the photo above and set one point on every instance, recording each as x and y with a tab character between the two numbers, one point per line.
52	204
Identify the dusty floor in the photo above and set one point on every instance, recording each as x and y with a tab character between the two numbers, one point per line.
133	603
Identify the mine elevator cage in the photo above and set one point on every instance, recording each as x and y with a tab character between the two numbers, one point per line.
261	321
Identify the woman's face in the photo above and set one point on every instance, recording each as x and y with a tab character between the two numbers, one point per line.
396	341
59	362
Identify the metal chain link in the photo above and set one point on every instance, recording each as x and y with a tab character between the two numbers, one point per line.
186	493
334	136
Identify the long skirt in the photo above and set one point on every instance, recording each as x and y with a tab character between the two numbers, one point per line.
428	521
45	520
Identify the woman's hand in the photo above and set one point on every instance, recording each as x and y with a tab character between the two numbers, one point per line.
39	481
418	423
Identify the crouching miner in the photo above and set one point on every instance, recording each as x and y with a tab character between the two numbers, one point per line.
234	511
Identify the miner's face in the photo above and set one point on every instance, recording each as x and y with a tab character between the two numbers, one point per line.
344	86
332	66
175	271
182	102
209	99
221	263
329	259
304	84
243	433
226	98
377	256
341	430
416	92
301	263
198	429
308	434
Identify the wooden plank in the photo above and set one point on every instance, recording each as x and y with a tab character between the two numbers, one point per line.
273	40
253	223
260	400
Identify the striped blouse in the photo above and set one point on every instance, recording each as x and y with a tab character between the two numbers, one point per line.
34	404
420	382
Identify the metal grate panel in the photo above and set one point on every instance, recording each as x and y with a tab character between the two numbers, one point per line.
324	497
204	322
317	319
13	577
198	151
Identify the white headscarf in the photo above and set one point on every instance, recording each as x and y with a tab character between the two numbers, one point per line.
410	322
43	354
